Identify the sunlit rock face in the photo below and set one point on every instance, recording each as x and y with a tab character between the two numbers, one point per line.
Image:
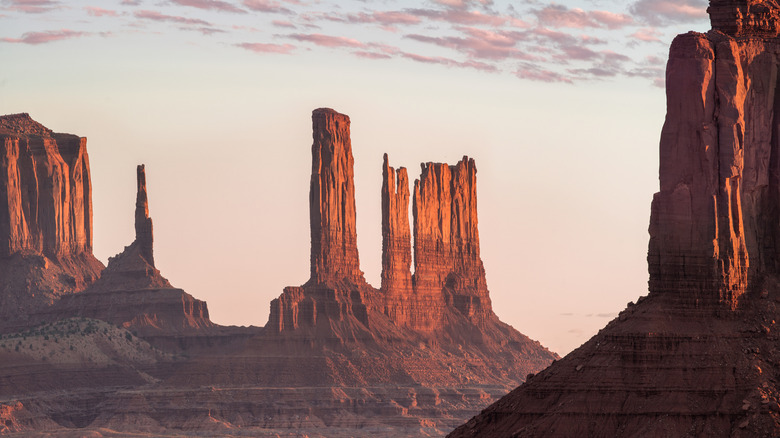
45	217
698	355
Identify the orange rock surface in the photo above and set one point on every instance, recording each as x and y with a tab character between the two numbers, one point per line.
698	356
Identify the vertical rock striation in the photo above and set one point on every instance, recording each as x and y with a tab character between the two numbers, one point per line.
447	265
396	243
45	217
745	17
46	198
334	254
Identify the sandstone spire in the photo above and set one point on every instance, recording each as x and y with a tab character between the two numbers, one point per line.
334	254
396	239
446	239
143	223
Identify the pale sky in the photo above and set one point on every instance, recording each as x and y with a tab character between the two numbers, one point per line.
560	103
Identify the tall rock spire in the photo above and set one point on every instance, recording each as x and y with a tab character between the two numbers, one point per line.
334	254
143	223
396	241
446	238
745	17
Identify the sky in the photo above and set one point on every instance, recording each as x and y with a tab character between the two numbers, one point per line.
561	104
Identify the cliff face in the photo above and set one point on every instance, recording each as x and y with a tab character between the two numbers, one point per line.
334	254
45	217
698	356
46	199
446	238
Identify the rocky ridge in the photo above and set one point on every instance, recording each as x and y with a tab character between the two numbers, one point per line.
698	356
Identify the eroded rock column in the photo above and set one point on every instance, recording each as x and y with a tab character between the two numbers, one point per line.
334	254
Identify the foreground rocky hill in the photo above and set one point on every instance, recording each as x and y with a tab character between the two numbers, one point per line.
699	355
128	353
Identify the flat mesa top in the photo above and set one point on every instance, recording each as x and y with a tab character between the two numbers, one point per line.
23	124
328	112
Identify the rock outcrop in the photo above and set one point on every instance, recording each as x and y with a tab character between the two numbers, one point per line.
45	217
334	254
745	17
447	265
698	356
396	245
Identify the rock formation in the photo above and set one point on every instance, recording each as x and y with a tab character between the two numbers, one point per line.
334	254
396	244
132	293
45	217
745	17
446	239
336	358
698	356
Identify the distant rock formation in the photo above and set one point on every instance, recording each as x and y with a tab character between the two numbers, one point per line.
396	245
45	216
132	293
698	356
334	254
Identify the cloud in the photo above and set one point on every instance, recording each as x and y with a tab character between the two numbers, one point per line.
266	6
131	2
371	55
156	16
32	6
479	43
214	5
100	12
664	12
44	37
561	16
450	62
267	48
459	16
282	23
648	35
327	40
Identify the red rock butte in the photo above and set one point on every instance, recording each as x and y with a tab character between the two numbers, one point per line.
698	356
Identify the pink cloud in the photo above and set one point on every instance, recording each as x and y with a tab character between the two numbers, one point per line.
450	62
214	5
663	12
33	6
100	12
156	16
267	48
535	73
131	2
479	43
266	6
648	34
371	55
44	37
459	16
561	16
326	40
281	23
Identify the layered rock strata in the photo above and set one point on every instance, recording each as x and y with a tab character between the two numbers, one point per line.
45	217
698	356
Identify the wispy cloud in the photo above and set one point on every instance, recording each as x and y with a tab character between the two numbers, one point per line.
664	12
32	6
214	5
157	16
267	48
326	40
558	16
44	37
100	12
266	6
